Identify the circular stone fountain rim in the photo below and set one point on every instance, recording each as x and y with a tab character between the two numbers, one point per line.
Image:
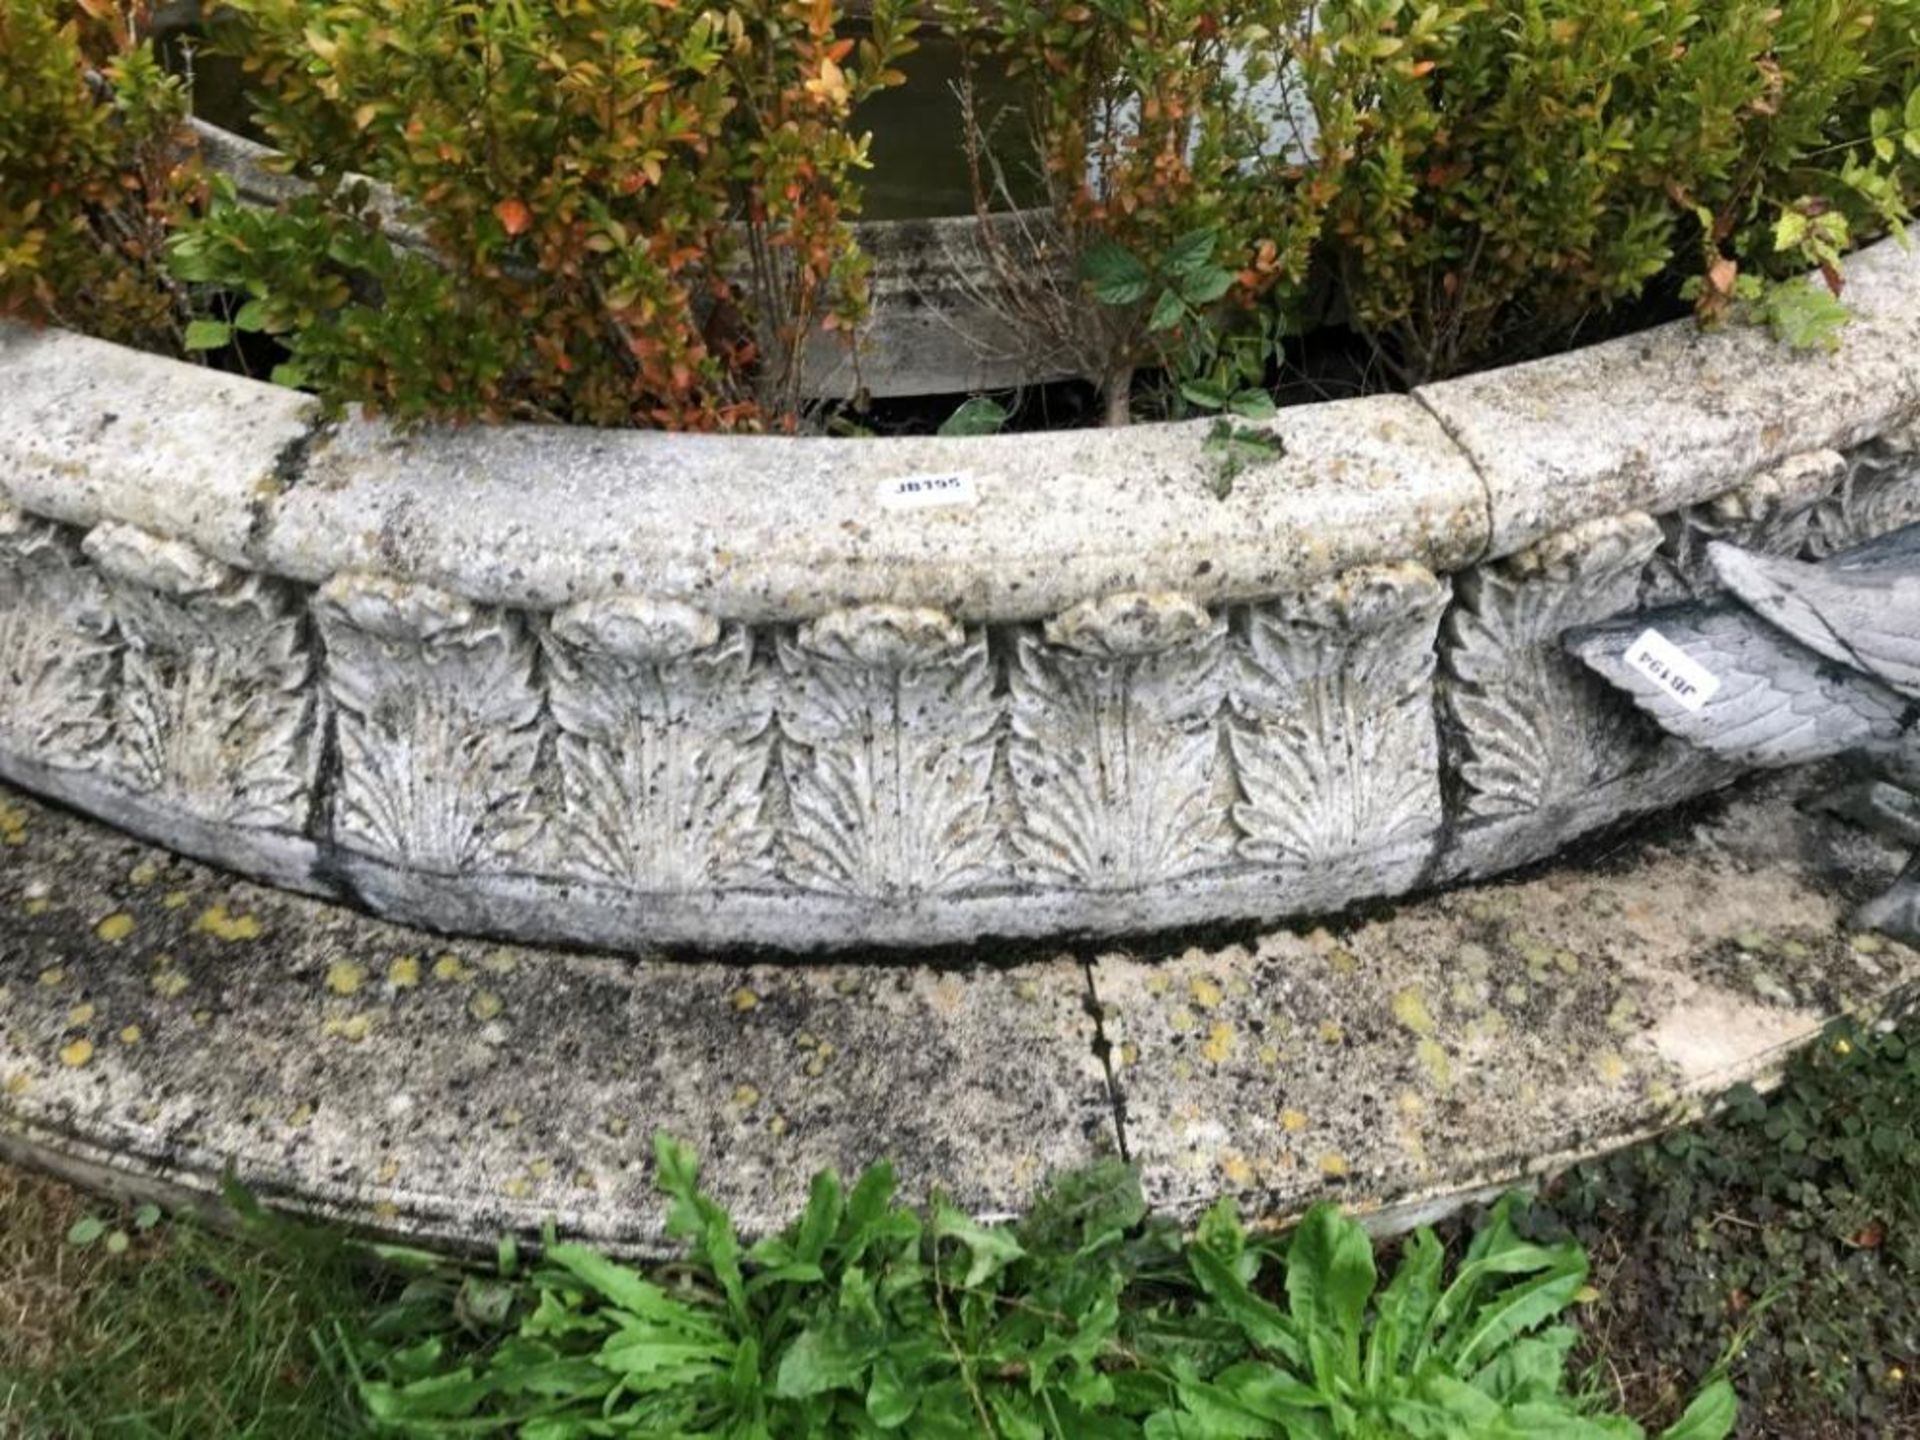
776	528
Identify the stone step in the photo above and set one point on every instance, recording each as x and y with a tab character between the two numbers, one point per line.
162	1022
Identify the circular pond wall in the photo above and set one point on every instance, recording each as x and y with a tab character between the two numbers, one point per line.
628	688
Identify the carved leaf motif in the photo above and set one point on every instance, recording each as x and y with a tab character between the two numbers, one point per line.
1881	494
1113	762
215	706
1773	514
1533	726
1334	739
56	646
888	769
663	764
437	719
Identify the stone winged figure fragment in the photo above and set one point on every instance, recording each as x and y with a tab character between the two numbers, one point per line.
1795	662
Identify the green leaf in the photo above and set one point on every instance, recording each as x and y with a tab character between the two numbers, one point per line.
822	1358
1207	286
251	317
992	1247
1168	311
146	1217
1205	394
207	334
1519	1308
637	1297
1253	404
1189	254
1330	1277
890	1400
1261	1321
1709	1417
976	415
1532	1368
695	1218
86	1230
1114	274
1789	231
1404	1307
117	1242
1805	316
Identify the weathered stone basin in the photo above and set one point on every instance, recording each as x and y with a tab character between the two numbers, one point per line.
627	689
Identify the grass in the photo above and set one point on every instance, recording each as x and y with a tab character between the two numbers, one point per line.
185	1333
1784	1231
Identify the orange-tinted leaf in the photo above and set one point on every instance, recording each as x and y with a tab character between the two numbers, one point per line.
513	216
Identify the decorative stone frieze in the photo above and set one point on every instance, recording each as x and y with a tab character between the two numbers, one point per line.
1774	513
1878	495
436	719
1530	726
665	730
56	646
630	689
1115	751
213	709
888	720
1332	732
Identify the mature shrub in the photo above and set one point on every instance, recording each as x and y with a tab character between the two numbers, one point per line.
620	211
95	169
1169	141
1503	170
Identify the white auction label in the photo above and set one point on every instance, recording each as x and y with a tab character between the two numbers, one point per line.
1681	677
927	492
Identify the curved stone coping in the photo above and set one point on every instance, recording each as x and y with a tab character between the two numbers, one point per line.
160	1023
783	529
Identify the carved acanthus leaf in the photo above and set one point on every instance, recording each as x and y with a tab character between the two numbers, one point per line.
883	636
438	724
1531	725
889	727
663	748
56	645
1131	623
1114	762
1334	737
1881	494
214	707
1772	513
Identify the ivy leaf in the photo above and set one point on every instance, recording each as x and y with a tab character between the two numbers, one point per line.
1789	231
1114	274
1805	317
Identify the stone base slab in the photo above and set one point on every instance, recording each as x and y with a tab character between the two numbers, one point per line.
161	1022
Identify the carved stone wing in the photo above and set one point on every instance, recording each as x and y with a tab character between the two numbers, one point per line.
1771	701
1867	620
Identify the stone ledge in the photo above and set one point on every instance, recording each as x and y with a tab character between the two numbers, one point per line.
1660	420
427	1089
619	689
